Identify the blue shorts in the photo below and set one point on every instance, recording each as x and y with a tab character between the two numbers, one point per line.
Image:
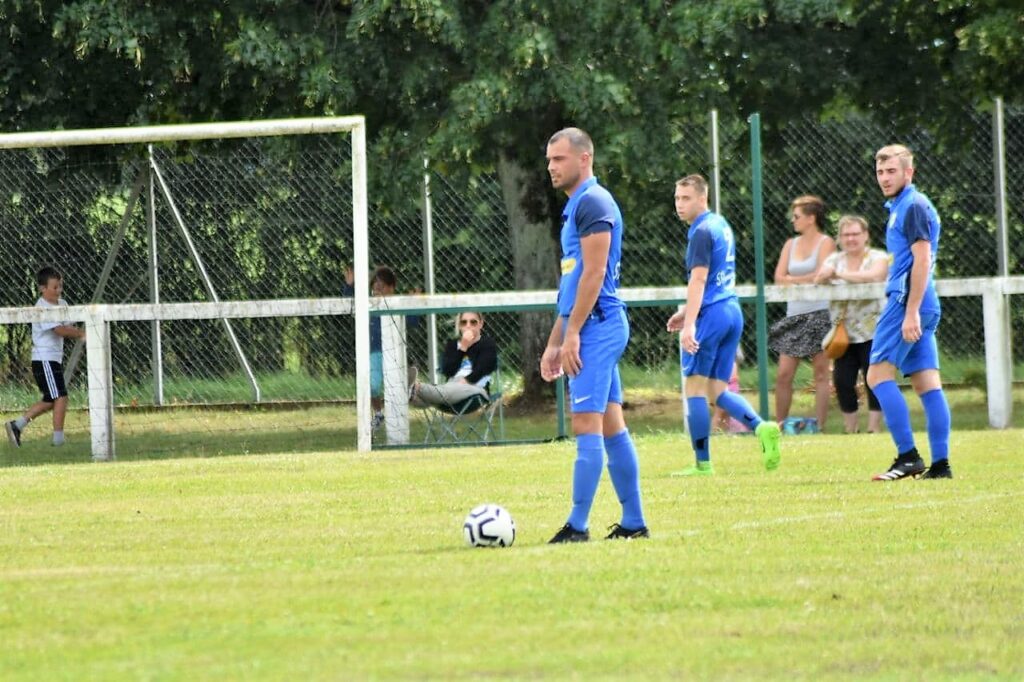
889	345
377	374
719	328
602	342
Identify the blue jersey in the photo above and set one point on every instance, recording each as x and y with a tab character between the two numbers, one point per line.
912	218
590	209
710	244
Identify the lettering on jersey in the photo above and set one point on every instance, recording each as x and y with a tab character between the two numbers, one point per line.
730	252
616	273
725	280
568	265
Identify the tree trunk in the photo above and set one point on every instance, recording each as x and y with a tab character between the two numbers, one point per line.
535	260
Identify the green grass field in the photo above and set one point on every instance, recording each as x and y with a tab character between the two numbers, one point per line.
328	564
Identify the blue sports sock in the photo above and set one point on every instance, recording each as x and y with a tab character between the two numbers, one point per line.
937	421
586	475
897	415
624	470
739	409
699	420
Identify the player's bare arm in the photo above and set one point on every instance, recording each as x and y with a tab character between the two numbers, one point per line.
922	252
551	360
694	296
594	248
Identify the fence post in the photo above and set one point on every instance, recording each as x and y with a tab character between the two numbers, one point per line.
101	391
998	355
716	171
428	271
762	308
156	359
396	381
999	162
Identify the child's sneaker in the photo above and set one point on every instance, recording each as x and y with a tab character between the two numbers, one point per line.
13	434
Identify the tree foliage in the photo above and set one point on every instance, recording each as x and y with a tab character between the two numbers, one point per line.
478	87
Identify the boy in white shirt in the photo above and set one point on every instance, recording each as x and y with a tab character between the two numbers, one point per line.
47	360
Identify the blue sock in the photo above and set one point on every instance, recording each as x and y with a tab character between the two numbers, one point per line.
937	421
699	421
739	409
624	470
897	415
586	475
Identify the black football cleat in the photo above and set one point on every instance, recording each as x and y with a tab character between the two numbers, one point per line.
910	466
939	469
569	534
622	533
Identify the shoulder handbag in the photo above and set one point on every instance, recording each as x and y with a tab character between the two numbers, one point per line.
837	340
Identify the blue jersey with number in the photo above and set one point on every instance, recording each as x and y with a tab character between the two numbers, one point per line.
591	209
912	218
710	244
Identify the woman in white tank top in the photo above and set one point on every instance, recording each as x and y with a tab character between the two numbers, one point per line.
798	335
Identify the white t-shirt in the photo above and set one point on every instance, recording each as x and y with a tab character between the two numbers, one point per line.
47	345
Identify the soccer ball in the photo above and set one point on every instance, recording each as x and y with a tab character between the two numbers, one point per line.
489	525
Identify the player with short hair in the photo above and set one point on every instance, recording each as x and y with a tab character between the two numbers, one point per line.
905	335
47	360
711	326
588	338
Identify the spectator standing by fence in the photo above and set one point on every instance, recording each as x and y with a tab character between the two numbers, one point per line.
798	335
856	263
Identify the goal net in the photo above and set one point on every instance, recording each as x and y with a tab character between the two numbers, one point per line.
154	228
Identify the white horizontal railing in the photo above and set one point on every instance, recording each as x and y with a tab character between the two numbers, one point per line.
993	291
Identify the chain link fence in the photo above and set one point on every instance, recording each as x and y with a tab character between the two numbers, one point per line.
272	219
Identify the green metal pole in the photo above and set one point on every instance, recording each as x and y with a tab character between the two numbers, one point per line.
762	310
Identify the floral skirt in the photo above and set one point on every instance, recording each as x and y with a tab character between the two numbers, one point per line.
800	336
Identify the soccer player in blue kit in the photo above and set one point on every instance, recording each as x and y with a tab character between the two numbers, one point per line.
711	326
905	336
588	338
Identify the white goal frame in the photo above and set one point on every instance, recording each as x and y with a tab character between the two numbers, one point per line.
98	317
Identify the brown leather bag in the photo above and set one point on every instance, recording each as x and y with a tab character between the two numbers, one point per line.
837	340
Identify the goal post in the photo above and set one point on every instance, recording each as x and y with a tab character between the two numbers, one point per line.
354	125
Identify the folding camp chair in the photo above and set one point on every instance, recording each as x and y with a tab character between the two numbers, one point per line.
473	420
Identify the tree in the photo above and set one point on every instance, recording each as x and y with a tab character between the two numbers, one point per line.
478	87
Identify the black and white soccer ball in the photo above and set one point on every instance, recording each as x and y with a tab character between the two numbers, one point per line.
489	525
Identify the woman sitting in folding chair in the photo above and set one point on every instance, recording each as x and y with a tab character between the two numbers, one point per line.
468	362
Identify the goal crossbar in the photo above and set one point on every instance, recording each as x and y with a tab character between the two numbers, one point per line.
182	131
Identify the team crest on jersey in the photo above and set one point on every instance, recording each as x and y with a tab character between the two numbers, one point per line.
568	265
